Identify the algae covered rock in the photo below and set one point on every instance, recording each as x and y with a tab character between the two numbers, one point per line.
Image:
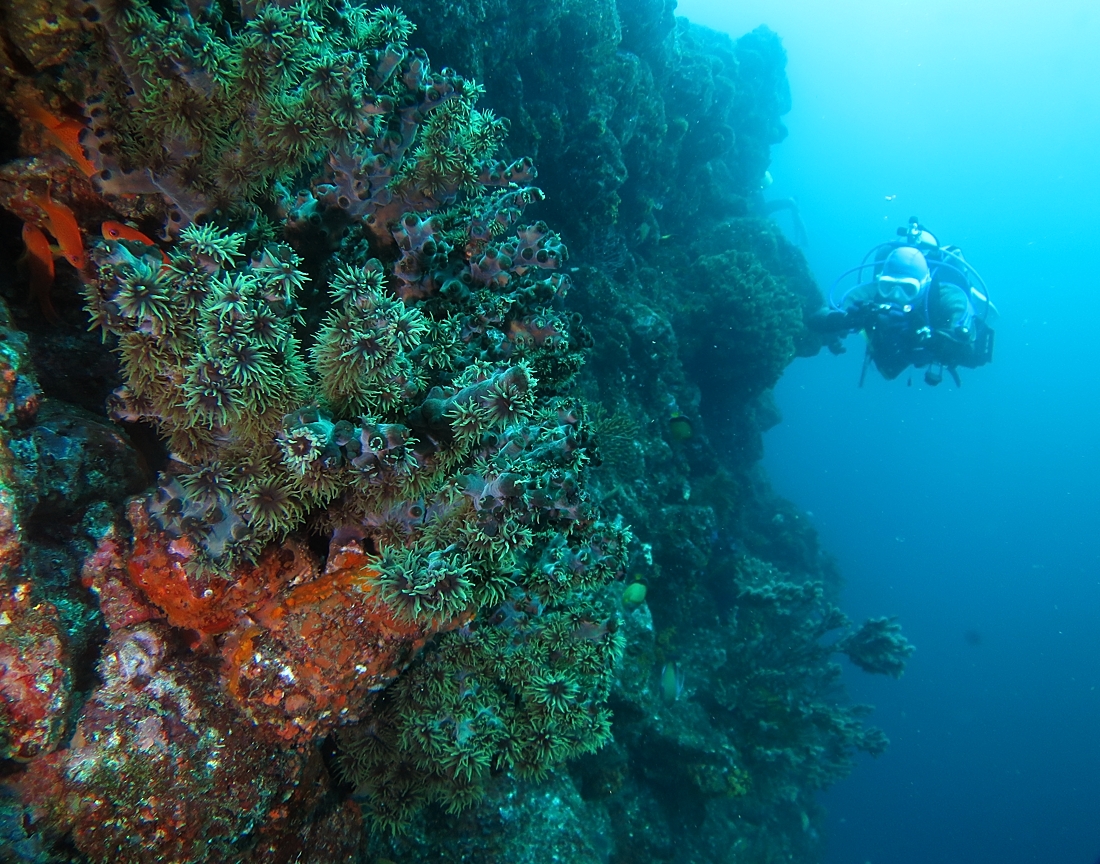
35	676
741	326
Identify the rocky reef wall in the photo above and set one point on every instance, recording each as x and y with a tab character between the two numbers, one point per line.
380	441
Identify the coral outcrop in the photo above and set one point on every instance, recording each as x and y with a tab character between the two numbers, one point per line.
411	418
696	302
309	544
159	763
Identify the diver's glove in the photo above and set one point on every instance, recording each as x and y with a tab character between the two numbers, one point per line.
831	321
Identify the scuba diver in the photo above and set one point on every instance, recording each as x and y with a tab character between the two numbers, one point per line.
923	305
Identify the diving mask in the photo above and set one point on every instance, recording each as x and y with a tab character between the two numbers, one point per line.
902	291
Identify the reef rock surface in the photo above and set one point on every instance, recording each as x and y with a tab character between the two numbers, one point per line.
378	444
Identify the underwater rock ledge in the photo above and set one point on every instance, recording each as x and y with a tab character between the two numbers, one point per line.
314	544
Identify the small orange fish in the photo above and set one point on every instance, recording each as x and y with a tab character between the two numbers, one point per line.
62	224
40	263
63	133
118	231
66	137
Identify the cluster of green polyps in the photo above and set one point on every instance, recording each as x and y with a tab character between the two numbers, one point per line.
415	406
211	108
430	281
521	687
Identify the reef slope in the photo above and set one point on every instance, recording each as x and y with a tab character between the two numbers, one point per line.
378	475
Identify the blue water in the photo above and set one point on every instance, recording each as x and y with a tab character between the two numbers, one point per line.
970	513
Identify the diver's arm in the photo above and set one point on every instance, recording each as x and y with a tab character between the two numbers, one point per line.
829	321
840	321
949	312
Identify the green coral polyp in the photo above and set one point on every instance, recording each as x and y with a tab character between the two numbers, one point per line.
427	587
210	247
358	286
556	693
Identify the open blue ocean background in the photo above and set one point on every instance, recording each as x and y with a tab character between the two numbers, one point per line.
971	513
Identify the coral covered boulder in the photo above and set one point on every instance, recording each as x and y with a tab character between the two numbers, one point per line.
161	768
352	346
35	679
740	325
299	649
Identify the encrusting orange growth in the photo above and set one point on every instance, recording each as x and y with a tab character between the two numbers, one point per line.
308	658
301	649
196	598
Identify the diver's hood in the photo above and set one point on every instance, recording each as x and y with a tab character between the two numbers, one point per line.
906	262
901	273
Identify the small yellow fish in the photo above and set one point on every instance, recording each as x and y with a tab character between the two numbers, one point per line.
672	682
634	594
679	426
